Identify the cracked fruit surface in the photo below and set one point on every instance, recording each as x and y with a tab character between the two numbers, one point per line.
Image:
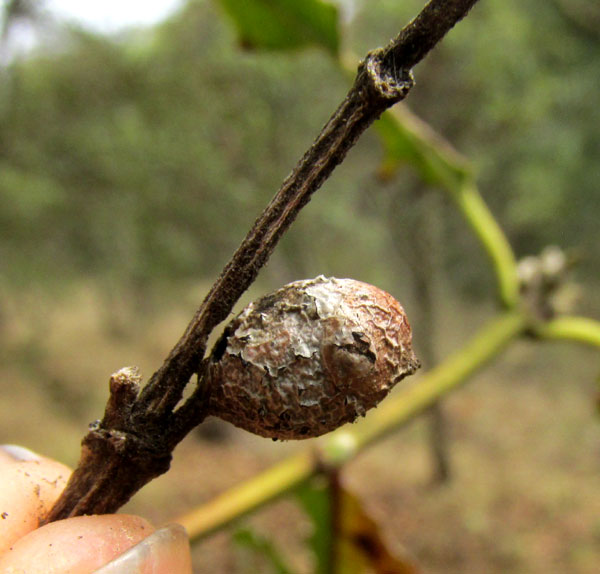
311	356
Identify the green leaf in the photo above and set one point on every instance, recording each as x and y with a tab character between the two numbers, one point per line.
409	140
345	538
284	24
251	540
315	500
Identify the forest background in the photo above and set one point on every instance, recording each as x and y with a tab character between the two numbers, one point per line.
131	166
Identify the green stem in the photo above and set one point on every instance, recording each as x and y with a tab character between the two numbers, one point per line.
496	245
336	449
408	138
249	495
576	329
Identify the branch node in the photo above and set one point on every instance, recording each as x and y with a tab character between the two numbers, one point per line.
390	83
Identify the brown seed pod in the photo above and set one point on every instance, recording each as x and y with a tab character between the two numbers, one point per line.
309	357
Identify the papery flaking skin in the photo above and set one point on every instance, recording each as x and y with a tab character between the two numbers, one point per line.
310	357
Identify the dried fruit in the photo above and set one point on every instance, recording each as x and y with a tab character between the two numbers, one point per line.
309	357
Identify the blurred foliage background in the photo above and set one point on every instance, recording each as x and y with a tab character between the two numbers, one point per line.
132	164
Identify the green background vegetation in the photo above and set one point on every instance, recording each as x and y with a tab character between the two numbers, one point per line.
132	165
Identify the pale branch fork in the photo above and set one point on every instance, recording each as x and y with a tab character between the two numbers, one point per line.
133	442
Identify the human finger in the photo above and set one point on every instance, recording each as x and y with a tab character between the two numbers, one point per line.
76	545
28	489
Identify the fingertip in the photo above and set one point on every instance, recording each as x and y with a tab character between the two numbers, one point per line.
165	551
16	453
28	489
76	545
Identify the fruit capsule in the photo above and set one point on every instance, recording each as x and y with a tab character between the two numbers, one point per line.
309	357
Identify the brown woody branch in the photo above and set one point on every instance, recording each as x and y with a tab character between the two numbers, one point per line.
133	442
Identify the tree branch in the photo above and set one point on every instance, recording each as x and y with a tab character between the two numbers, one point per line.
133	442
421	35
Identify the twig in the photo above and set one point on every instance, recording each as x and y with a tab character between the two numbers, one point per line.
569	328
133	442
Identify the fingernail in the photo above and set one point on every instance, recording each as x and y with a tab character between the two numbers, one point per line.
165	550
19	453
